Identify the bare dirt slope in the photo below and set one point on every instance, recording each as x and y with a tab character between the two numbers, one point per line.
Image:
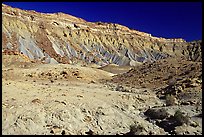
70	99
161	73
66	99
176	81
176	76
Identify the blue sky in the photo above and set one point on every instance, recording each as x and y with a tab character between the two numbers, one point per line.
161	19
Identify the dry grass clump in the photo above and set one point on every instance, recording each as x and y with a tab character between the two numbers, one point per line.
181	118
171	100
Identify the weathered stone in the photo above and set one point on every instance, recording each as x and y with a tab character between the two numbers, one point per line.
60	42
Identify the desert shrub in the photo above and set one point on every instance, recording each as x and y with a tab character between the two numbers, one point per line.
170	100
157	113
181	118
135	129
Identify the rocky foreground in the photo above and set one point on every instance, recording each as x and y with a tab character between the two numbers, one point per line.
75	100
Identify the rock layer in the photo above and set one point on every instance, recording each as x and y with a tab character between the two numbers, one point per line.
62	38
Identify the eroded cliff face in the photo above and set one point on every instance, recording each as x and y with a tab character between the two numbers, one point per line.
62	38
